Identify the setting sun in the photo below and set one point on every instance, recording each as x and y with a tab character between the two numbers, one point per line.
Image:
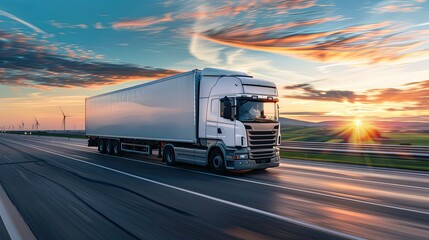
358	132
358	122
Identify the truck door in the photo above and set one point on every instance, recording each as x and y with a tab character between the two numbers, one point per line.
225	127
212	115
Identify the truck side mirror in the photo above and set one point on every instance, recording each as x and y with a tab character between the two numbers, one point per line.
228	112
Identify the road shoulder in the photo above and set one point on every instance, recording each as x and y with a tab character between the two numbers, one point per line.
12	221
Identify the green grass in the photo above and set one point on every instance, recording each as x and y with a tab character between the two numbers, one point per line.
319	134
406	138
411	164
307	134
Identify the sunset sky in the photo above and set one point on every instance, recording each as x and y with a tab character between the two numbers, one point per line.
331	60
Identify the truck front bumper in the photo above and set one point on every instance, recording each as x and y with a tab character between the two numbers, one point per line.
248	164
251	164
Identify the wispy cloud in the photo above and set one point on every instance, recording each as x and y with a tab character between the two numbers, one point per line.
397	6
367	44
13	17
32	63
141	23
99	25
273	26
412	96
220	9
308	92
67	25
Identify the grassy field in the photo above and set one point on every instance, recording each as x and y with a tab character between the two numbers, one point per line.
319	134
410	138
366	160
307	134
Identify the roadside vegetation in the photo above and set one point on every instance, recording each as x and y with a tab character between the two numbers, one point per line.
325	134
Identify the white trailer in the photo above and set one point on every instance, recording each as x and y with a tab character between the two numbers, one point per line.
223	119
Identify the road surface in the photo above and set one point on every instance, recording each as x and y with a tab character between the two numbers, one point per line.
62	189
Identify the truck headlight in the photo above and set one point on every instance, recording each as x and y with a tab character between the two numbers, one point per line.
241	156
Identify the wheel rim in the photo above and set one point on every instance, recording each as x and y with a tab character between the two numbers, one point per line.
169	156
217	162
108	146
116	148
101	145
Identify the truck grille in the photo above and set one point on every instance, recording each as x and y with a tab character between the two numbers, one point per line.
262	140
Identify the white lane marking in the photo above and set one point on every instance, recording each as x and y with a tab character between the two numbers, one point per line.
277	186
81	157
226	202
13	221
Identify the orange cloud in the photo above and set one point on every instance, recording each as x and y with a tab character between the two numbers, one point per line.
142	22
32	63
415	94
367	43
245	6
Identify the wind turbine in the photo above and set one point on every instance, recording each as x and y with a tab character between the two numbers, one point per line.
22	124
37	124
64	119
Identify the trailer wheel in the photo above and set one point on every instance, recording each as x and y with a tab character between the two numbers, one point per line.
217	163
109	147
101	146
117	151
168	156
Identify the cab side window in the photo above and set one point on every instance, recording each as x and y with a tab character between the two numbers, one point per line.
222	109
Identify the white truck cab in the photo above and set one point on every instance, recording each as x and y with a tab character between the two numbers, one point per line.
240	114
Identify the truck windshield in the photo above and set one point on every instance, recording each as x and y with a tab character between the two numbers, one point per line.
257	111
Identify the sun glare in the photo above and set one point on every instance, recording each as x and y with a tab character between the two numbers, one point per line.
356	131
358	122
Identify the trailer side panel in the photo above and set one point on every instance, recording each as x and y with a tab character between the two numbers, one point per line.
162	110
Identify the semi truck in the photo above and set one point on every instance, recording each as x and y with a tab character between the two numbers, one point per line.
225	120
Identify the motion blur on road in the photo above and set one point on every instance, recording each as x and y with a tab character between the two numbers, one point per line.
63	189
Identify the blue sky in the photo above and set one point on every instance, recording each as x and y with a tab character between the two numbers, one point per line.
330	59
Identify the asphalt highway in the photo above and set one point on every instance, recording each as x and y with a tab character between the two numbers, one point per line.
62	189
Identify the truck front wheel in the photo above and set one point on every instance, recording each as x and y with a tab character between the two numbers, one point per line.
217	163
101	146
168	156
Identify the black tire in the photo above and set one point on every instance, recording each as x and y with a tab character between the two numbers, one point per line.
101	145
168	156
109	146
117	151
217	162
